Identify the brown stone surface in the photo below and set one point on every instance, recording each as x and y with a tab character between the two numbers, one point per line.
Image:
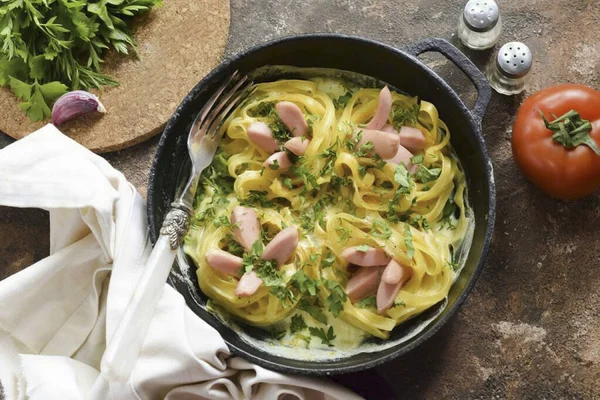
531	327
178	43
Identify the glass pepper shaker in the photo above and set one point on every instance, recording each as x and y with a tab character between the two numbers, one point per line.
480	26
508	74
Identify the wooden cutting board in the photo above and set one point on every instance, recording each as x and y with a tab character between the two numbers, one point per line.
179	43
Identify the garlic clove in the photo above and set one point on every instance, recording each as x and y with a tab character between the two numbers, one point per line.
73	104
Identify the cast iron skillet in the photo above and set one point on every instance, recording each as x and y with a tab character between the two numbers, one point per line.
399	68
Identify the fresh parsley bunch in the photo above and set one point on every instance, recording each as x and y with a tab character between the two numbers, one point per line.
50	46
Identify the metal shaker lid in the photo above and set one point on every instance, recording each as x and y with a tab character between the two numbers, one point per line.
514	59
481	15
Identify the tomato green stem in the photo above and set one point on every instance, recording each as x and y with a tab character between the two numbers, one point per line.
571	130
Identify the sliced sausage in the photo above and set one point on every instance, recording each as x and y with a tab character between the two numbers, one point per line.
384	143
387	292
403	156
278	161
282	246
371	258
363	283
246	228
261	135
389	129
248	284
292	117
412	138
392	272
383	110
223	261
297	145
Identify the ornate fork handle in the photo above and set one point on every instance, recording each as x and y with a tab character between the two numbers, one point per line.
176	223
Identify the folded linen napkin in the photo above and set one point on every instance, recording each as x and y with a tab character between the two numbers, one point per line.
57	315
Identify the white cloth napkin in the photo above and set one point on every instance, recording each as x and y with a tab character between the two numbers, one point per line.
57	315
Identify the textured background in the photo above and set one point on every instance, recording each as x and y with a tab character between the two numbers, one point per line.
531	327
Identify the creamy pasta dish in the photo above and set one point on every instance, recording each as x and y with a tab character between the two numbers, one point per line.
330	213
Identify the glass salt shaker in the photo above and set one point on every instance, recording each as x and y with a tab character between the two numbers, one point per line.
480	26
508	74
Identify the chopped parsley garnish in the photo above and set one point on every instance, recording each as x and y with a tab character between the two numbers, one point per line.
330	156
304	283
369	301
255	198
449	210
337	298
222	220
338	182
326	337
399	303
344	233
328	261
362	170
408	241
267	110
313	310
365	149
267	271
426	175
362	248
312	216
403	179
418	221
274	165
342	101
232	246
380	229
297	324
287	182
417	159
301	170
263	109
405	116
453	265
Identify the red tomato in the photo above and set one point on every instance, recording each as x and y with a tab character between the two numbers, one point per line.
565	172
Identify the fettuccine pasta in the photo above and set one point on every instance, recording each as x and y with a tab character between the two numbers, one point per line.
349	203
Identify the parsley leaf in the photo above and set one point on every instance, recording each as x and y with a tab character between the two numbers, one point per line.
369	301
328	261
417	159
426	175
404	116
326	337
408	241
313	310
362	248
304	283
342	101
344	233
337	298
287	182
449	210
297	324
399	303
380	229
403	179
222	220
274	165
453	265
255	198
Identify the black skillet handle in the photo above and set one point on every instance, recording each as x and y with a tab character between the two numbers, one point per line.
484	90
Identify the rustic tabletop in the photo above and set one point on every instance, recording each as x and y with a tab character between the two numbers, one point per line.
531	327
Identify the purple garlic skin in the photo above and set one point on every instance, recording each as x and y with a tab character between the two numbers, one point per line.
73	104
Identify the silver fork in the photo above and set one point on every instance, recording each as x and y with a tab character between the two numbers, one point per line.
203	139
